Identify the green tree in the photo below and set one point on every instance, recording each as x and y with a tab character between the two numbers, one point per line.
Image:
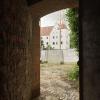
49	47
72	18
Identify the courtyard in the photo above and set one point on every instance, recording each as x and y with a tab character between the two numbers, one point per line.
55	84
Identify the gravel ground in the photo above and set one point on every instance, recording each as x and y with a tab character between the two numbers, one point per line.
55	84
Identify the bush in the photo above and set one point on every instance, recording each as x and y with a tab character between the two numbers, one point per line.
45	61
74	73
42	62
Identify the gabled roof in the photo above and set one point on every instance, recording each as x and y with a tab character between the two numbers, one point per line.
62	26
45	31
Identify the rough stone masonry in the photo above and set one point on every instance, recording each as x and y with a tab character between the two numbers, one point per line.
19	47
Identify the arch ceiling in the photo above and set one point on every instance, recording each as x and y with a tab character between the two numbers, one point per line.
42	7
31	2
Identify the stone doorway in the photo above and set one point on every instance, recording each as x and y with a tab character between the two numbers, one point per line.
54	82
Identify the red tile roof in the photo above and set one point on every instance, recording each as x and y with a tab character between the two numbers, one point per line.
45	31
62	26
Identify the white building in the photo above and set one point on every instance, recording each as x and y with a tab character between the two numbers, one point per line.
45	35
56	36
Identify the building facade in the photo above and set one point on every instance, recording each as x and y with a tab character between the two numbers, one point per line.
56	37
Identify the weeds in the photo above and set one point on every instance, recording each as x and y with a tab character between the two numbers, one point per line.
73	74
43	62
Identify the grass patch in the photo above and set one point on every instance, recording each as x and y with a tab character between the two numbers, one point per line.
73	73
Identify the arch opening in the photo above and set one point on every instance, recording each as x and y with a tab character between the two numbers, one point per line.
49	51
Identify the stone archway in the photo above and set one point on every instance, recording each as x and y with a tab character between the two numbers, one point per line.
19	59
20	46
45	7
37	11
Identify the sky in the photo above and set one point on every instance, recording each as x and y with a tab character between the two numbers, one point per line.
52	18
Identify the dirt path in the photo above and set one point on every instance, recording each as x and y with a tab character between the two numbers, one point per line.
55	84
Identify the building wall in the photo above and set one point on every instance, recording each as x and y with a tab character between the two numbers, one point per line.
55	37
91	49
65	39
19	79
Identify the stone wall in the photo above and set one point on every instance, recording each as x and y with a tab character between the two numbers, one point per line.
90	18
54	56
17	72
59	56
20	47
19	61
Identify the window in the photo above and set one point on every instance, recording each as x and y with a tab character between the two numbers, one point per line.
53	37
47	37
61	42
47	43
53	43
56	43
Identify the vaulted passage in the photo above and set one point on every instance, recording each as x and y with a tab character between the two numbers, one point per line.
20	47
